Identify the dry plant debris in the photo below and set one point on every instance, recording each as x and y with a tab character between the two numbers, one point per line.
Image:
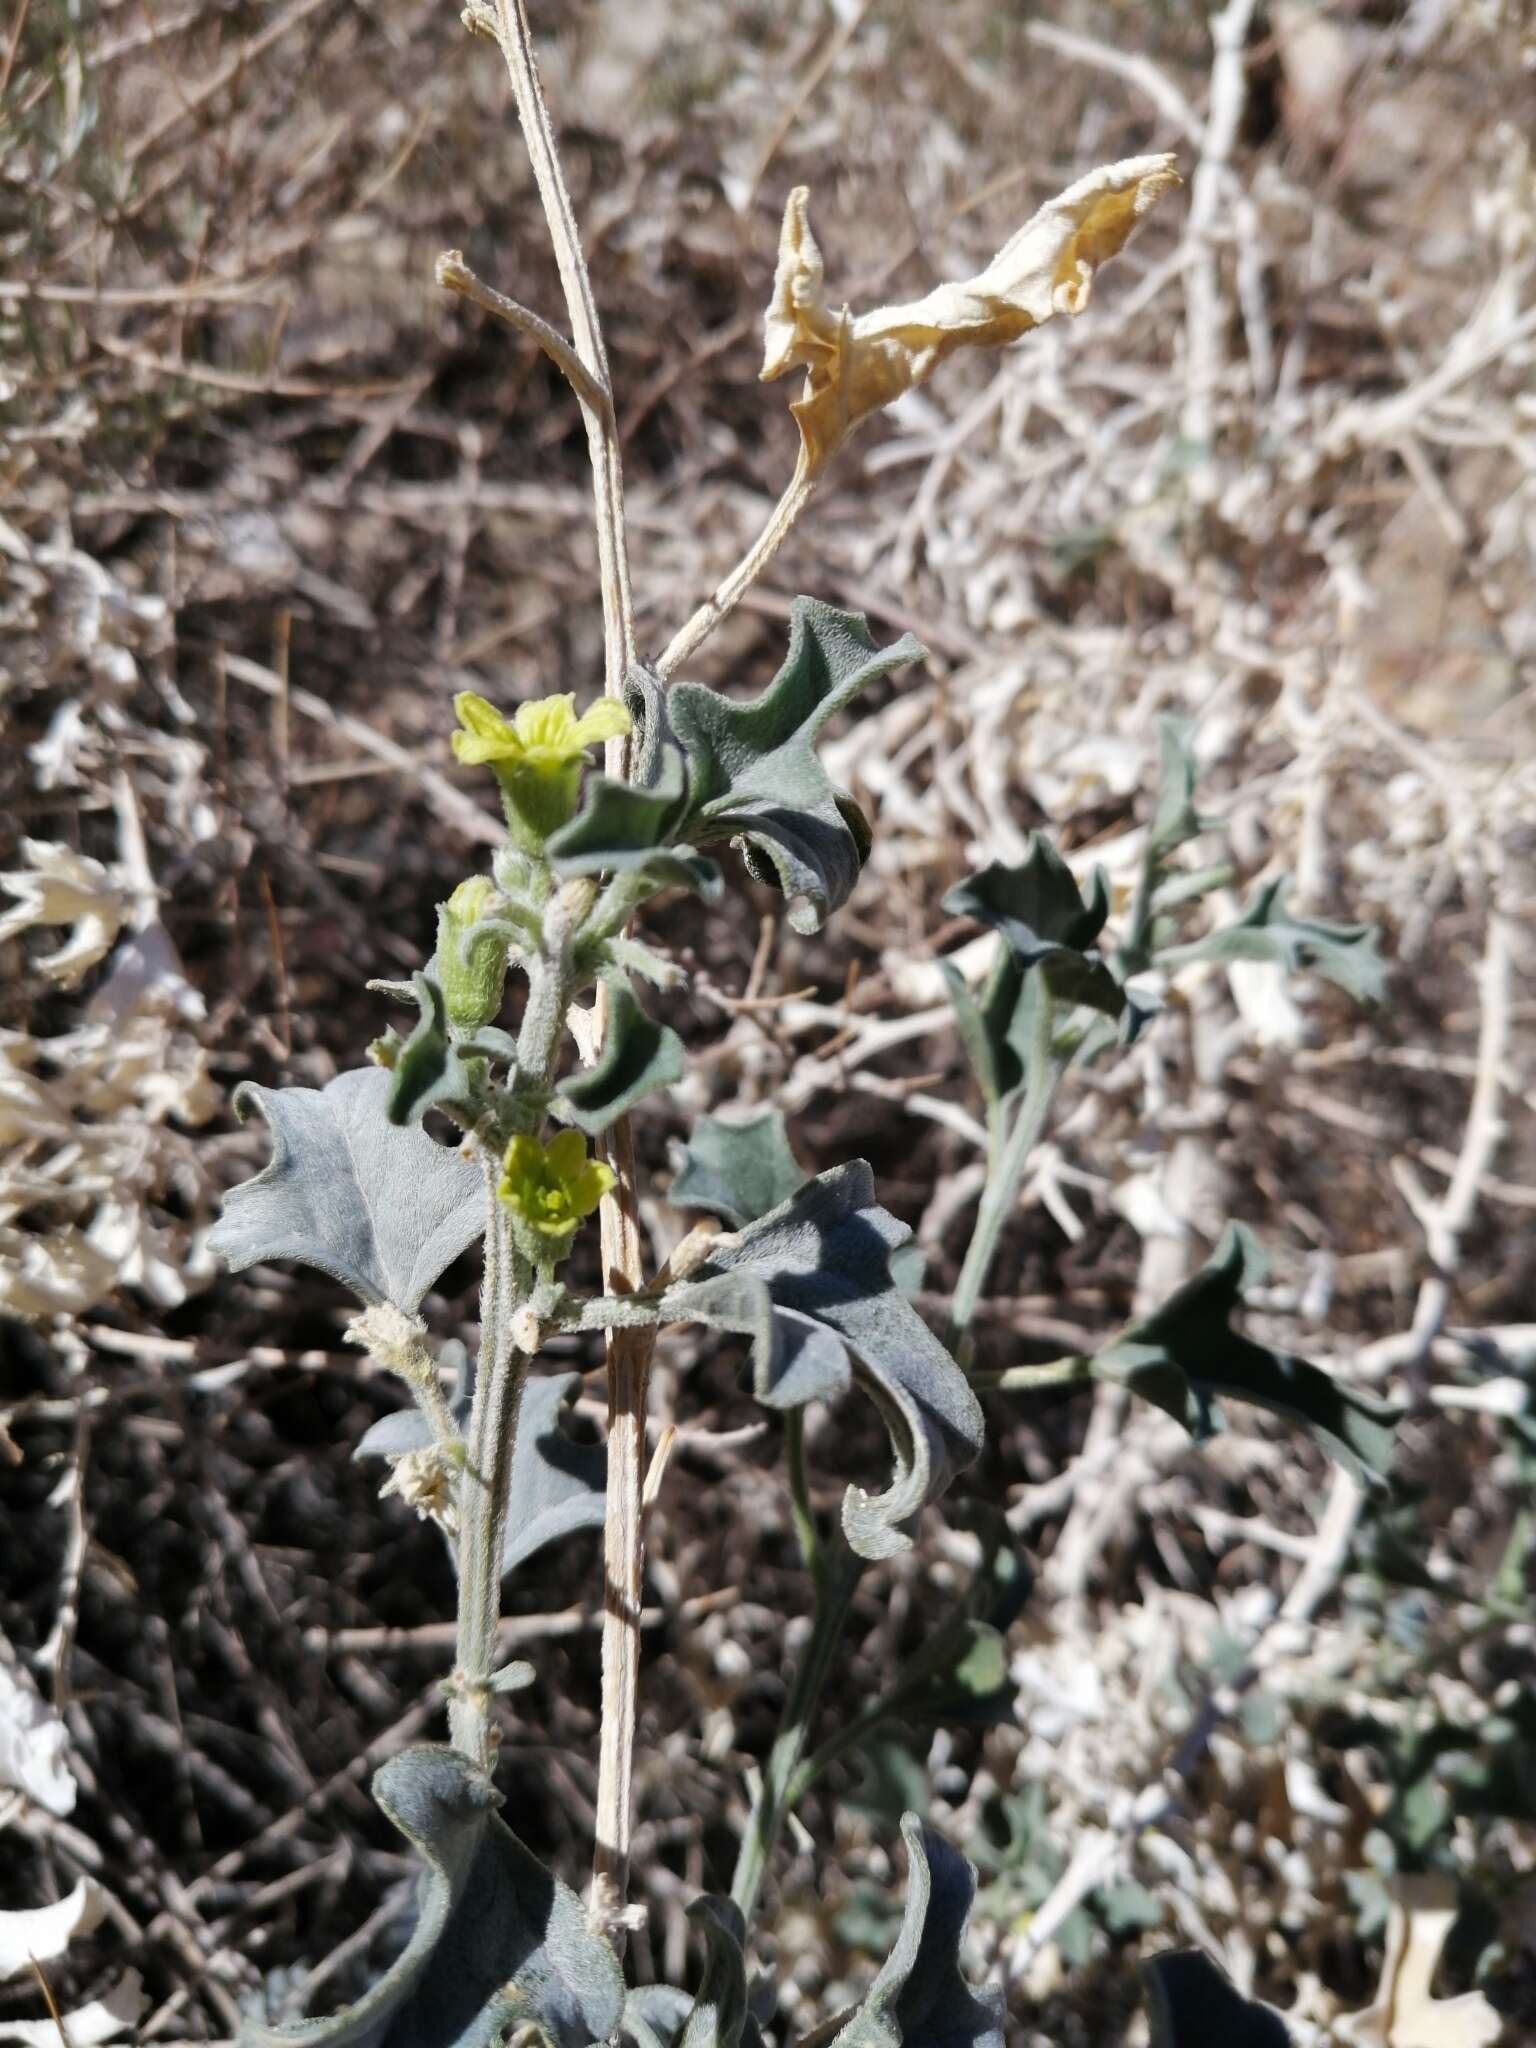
266	512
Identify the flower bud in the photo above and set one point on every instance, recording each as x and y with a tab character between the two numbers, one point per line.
471	968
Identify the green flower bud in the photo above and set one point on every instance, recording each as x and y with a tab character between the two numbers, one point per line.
471	970
550	1189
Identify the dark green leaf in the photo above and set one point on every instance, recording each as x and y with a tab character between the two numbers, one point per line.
636	828
959	1677
499	1943
752	768
1040	911
557	1485
1186	1355
429	1070
996	1030
382	1210
737	1170
1345	953
921	1999
1192	2005
638	1056
810	1283
719	2017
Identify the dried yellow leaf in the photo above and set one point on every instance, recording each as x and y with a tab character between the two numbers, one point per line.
857	363
1404	2014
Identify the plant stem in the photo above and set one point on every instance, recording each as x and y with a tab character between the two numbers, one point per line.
1022	1379
1046	1067
800	1497
728	594
483	1490
775	1795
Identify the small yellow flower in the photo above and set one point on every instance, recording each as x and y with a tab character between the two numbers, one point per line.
538	755
550	1189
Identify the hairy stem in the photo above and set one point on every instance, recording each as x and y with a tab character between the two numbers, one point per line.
1046	1067
777	1792
729	593
483	1489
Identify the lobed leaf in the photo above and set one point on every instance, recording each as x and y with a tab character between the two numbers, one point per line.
1186	1355
557	1485
921	1999
1192	2005
1267	930
384	1210
810	1284
429	1069
638	1057
737	1170
713	769
499	1942
1047	923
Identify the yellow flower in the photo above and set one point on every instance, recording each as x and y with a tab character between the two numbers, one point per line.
550	1189
538	755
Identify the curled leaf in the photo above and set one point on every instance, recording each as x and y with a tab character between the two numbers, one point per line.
811	1284
719	2017
1269	930
857	363
1186	1355
499	1942
384	1210
921	1998
1047	922
638	1056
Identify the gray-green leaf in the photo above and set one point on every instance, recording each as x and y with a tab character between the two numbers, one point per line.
498	1943
719	2017
737	1170
810	1283
1047	923
557	1485
1267	930
921	1998
752	768
1186	1355
381	1209
429	1068
638	1056
1192	2005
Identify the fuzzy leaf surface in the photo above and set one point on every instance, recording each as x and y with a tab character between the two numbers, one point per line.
1185	1356
638	1057
752	767
1267	930
429	1068
1193	2005
811	1284
737	1170
1046	922
638	827
557	1485
498	1943
921	1999
720	2017
382	1209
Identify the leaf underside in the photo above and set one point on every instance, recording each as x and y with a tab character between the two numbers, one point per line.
557	1485
810	1283
638	1057
382	1209
1192	2005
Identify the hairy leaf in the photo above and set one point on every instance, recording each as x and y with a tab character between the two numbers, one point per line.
429	1068
719	2017
381	1209
638	1056
752	767
499	1942
711	769
1345	953
855	364
1186	1355
810	1283
1192	2005
1175	819
920	1998
1045	920
737	1170
994	1031
557	1485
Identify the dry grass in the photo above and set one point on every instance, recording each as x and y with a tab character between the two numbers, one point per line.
271	500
